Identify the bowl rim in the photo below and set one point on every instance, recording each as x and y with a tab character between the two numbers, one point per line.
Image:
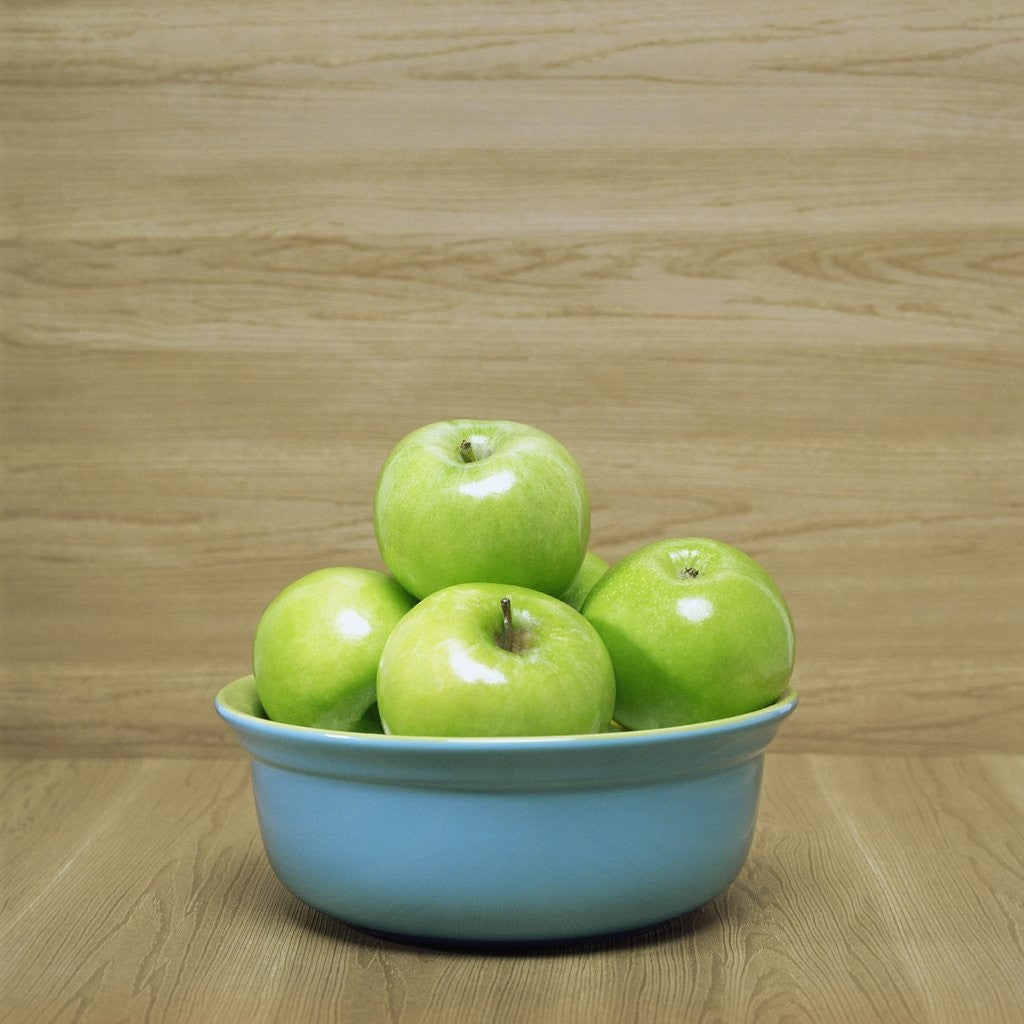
265	727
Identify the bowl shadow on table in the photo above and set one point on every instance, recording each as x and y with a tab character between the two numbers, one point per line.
668	932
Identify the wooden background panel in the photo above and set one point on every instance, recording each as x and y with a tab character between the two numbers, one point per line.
762	274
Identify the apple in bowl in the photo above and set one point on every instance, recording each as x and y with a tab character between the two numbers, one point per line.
592	569
318	643
481	501
488	659
697	631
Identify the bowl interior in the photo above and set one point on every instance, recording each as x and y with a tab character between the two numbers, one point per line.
492	764
239	705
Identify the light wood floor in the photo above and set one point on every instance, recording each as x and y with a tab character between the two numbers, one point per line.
878	889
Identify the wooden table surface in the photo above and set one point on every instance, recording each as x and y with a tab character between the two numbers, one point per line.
758	265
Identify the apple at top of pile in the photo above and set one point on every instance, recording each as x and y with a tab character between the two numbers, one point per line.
696	630
470	501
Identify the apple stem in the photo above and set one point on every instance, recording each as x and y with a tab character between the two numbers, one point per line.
506	626
466	451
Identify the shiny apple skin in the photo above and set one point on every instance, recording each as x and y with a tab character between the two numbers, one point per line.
592	569
692	648
520	514
443	671
317	645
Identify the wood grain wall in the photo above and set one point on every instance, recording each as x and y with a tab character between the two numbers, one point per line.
764	280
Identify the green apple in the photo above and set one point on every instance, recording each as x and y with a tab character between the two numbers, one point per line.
478	501
487	659
696	629
317	646
592	569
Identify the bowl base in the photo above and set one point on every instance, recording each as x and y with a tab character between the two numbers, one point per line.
644	934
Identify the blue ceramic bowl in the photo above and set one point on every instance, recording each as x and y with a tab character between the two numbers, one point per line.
505	840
